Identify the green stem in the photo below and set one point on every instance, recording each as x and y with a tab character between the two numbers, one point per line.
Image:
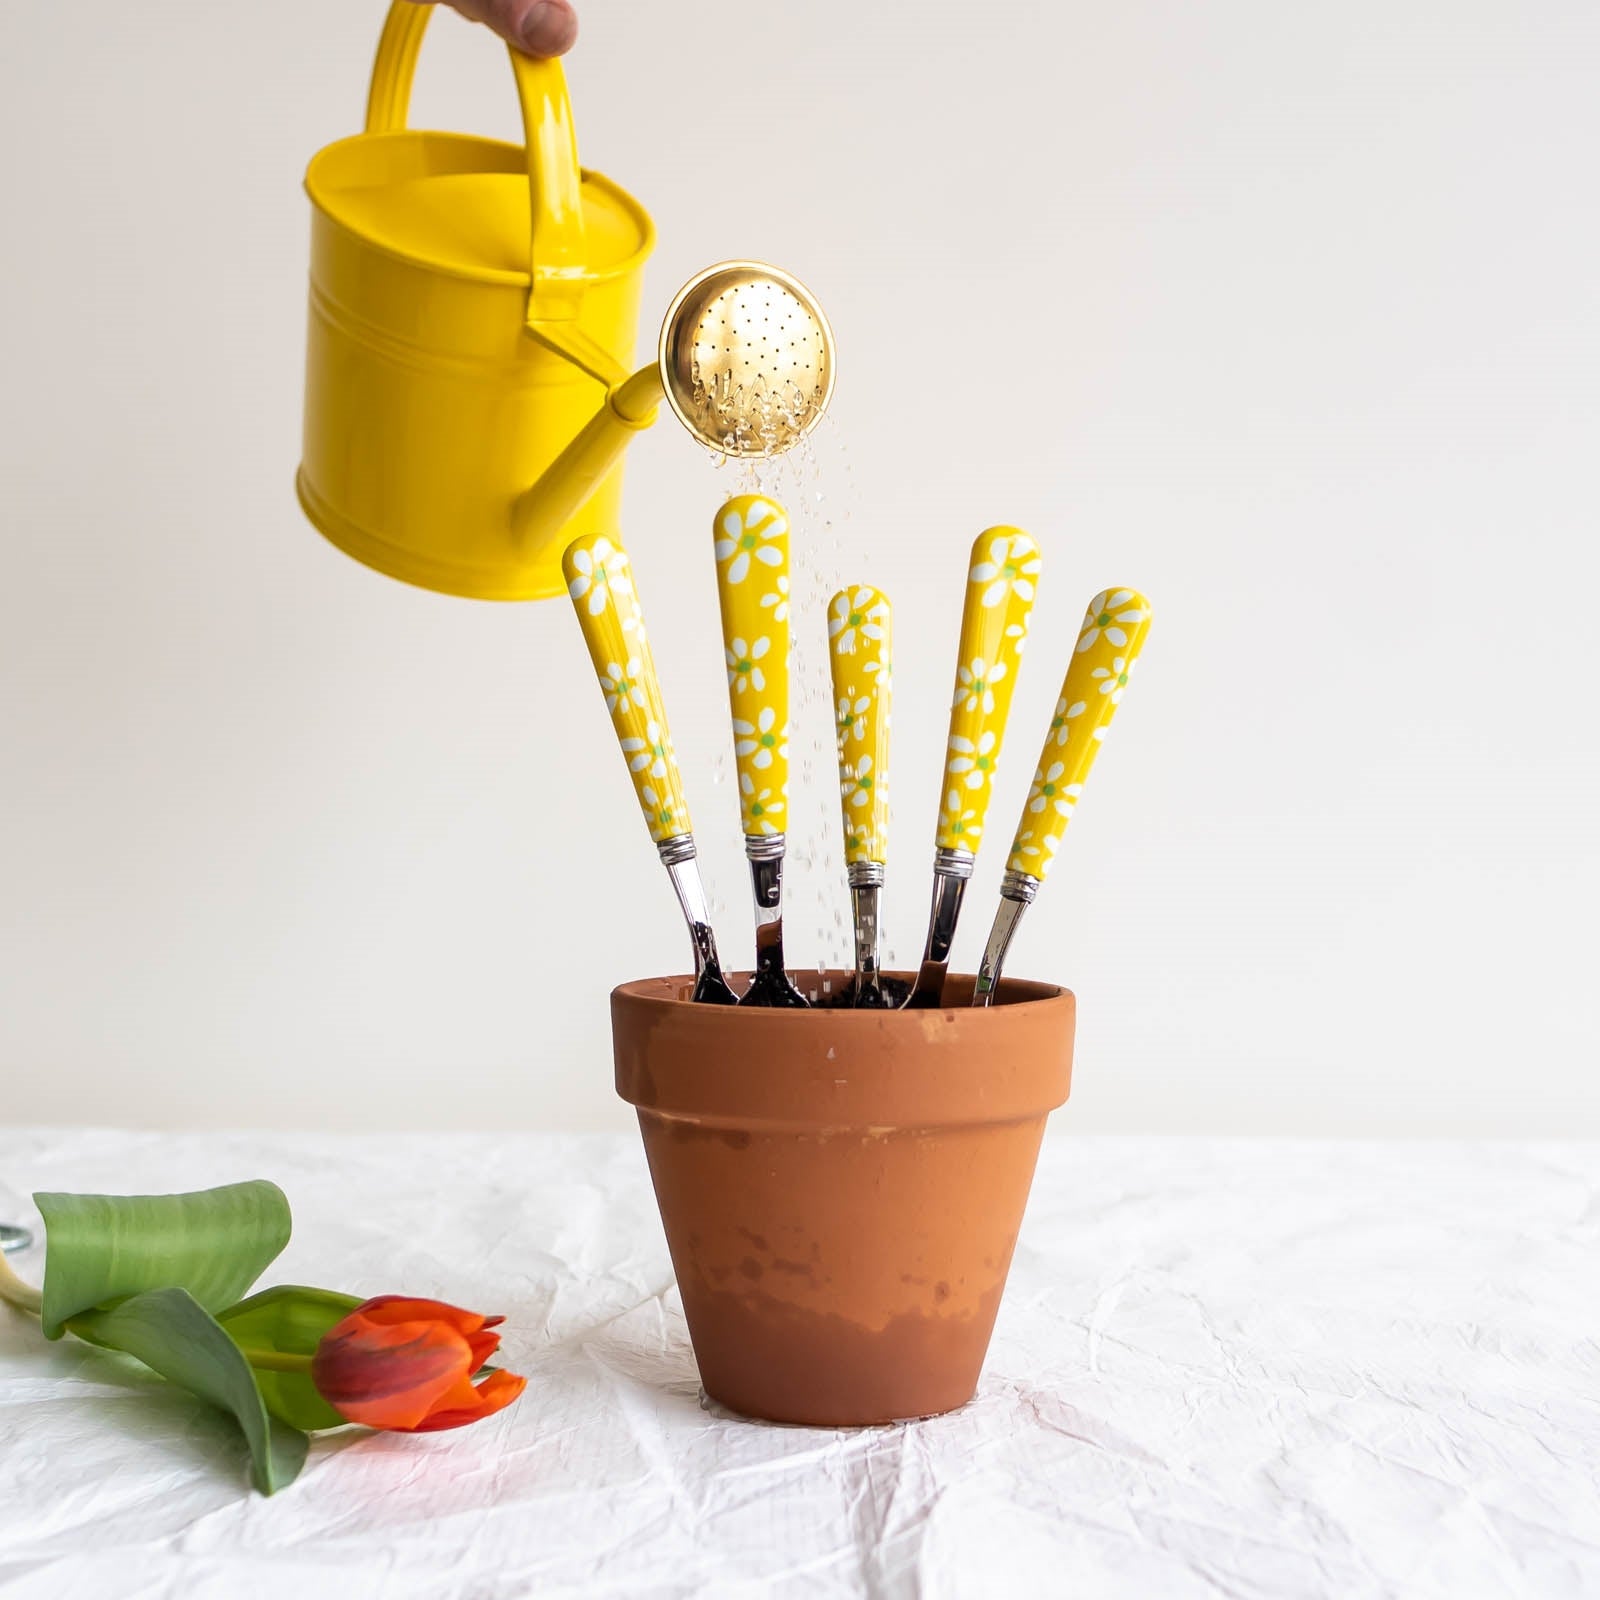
276	1361
20	1294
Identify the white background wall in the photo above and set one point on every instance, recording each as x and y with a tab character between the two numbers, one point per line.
1287	314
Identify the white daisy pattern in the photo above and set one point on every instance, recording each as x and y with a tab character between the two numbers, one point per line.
744	664
850	716
1060	728
762	739
1031	855
1111	614
975	684
961	826
976	759
652	753
855	615
858	783
777	600
749	530
761	809
1012	565
620	685
598	569
1113	680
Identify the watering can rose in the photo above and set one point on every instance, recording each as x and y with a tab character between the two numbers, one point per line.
407	1366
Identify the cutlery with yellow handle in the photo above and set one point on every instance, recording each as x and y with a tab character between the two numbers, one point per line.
600	582
860	625
1001	582
750	539
1113	634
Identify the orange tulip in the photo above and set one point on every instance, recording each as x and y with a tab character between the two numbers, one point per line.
407	1365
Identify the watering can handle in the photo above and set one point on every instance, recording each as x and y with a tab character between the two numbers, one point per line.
556	256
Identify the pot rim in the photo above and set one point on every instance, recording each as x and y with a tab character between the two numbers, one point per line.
754	1068
655	994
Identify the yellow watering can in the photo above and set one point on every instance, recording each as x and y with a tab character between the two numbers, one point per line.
467	298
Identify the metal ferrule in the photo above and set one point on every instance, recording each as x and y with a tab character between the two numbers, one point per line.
954	863
865	874
1021	886
764	846
672	851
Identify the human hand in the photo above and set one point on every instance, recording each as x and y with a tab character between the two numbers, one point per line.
541	27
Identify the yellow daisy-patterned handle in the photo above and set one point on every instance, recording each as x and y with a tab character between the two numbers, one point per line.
600	581
994	629
860	628
751	543
1113	634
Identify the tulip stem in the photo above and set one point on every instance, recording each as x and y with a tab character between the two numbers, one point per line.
20	1294
277	1361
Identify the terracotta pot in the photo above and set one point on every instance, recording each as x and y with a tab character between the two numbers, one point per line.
841	1190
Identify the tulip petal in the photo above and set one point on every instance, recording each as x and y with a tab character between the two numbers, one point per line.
406	1365
495	1393
407	1308
482	1345
389	1375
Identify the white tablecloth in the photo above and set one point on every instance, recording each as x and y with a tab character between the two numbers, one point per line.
1222	1368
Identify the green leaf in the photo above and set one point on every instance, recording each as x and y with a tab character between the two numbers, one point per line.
101	1248
292	1320
173	1334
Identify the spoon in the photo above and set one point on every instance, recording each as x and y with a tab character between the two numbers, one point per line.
860	622
600	582
1113	634
751	544
994	629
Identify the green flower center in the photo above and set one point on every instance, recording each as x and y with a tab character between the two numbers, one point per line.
1103	620
863	784
768	741
747	541
856	619
744	665
1122	680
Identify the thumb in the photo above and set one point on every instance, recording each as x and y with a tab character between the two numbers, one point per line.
541	27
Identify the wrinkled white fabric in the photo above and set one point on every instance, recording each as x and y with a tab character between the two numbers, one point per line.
1223	1368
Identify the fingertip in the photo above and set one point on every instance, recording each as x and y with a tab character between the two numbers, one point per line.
549	28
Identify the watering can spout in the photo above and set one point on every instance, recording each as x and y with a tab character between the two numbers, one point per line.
541	515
